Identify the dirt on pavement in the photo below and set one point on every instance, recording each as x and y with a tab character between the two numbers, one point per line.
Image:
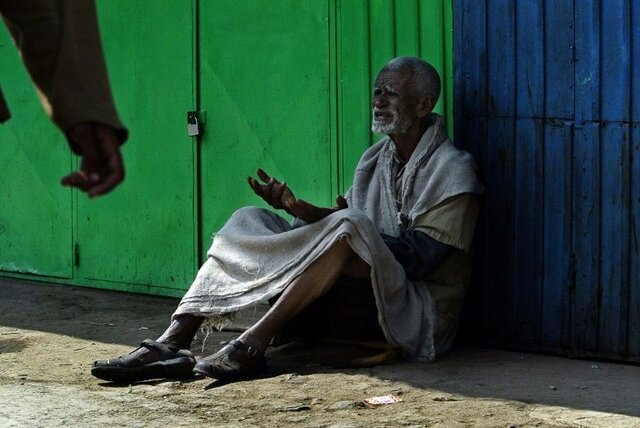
49	336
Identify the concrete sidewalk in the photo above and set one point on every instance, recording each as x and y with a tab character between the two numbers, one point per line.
49	335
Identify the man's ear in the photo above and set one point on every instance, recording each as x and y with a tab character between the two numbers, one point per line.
425	106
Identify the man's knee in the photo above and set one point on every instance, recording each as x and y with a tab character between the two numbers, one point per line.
341	255
246	217
357	268
354	267
249	211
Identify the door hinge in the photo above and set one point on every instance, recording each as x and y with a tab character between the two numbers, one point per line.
76	255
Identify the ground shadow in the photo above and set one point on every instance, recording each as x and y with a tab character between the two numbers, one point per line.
122	318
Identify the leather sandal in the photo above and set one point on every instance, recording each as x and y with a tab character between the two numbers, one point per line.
235	361
171	364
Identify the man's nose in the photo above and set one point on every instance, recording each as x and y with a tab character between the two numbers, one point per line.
380	101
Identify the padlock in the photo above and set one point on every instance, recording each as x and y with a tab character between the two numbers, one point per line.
193	127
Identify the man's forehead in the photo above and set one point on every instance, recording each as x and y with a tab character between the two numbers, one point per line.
392	77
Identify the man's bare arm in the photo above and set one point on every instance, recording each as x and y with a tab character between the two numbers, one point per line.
279	196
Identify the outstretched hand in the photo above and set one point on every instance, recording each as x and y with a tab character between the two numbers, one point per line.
279	196
101	168
275	193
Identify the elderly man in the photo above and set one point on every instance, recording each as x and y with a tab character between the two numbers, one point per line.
389	262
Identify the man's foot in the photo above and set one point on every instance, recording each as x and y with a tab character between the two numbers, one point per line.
235	361
151	361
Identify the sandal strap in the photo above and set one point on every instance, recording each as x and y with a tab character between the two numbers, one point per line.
253	352
223	366
163	350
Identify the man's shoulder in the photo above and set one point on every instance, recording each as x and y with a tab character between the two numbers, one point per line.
373	152
448	154
454	170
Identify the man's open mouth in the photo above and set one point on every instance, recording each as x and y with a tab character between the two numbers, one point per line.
382	116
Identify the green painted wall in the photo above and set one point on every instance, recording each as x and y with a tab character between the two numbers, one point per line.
368	34
35	212
265	84
285	86
143	236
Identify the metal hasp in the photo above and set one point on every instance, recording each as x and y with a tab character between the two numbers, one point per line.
193	125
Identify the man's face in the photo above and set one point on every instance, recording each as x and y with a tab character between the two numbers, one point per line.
393	103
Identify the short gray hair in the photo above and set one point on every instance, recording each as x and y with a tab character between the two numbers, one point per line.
425	80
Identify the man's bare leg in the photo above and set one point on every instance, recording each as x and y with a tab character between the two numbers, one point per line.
243	357
303	290
181	331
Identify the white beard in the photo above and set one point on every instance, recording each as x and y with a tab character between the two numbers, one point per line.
398	125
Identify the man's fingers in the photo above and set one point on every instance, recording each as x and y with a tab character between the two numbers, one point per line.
267	189
112	171
263	175
78	180
255	186
106	185
115	176
70	179
251	184
264	191
275	193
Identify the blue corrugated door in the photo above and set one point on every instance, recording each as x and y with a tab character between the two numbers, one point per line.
548	100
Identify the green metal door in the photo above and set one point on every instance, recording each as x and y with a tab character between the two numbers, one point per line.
142	236
35	212
265	86
285	86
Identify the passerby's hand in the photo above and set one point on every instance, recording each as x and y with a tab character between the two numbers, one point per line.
101	168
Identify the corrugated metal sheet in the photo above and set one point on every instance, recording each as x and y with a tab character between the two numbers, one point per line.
548	100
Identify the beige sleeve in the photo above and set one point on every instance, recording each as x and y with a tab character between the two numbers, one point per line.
452	222
59	41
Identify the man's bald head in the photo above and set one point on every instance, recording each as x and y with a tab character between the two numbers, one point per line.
425	81
404	94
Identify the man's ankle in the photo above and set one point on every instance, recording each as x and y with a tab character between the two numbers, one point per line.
254	342
175	346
